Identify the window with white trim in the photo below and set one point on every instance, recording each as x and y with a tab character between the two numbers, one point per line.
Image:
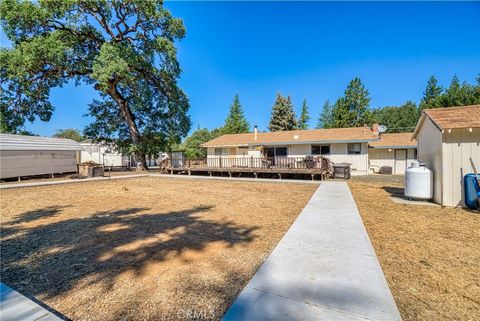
354	148
320	149
221	151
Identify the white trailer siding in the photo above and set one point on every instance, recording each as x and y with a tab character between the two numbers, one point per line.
32	155
459	145
429	144
102	154
29	163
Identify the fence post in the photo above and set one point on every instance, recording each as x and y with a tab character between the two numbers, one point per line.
251	161
220	161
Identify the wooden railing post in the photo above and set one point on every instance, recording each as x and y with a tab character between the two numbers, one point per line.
220	161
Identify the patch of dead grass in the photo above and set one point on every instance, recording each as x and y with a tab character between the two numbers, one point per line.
143	248
430	255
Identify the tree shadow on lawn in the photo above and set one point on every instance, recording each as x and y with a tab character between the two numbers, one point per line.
49	259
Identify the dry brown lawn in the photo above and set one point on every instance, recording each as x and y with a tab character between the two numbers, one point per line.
143	248
430	255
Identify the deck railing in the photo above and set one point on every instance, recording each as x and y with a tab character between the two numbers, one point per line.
307	162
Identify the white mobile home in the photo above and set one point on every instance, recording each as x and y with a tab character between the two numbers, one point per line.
348	145
447	138
103	154
31	155
396	150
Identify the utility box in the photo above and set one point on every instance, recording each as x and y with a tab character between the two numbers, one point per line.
91	169
341	170
388	170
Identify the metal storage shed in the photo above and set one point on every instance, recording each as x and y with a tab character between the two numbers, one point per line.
447	138
32	155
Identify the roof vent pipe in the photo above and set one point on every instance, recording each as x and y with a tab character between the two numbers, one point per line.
255	132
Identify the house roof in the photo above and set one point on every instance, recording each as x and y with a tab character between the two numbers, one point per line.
23	142
395	140
355	134
451	117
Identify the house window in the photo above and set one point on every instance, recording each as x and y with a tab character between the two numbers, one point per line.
280	151
354	148
242	150
221	151
320	149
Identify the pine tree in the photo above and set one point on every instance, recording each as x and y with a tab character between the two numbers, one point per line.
283	116
325	119
459	95
352	110
398	119
304	117
236	123
431	95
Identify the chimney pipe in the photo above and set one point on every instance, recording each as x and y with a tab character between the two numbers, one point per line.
375	129
255	132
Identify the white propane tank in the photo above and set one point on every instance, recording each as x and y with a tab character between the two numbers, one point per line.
418	182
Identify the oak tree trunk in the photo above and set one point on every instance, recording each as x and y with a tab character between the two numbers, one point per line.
140	159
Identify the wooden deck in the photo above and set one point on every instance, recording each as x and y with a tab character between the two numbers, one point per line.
315	168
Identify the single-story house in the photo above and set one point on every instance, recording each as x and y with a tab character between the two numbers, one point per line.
396	150
348	145
33	155
447	138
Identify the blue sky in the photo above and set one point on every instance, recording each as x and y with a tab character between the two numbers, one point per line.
306	50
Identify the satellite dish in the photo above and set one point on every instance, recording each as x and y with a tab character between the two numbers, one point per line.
382	128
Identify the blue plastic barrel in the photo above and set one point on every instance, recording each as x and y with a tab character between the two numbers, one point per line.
472	191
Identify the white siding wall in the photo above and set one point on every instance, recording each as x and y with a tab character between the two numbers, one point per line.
429	145
339	154
99	155
378	157
458	147
15	163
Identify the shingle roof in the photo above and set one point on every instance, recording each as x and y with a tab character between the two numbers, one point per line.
395	140
22	142
355	134
455	117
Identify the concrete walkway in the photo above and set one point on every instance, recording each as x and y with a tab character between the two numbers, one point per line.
16	307
67	181
324	268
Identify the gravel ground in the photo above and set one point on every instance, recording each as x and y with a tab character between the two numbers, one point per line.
430	255
142	248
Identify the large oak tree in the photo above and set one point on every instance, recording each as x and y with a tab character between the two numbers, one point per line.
124	49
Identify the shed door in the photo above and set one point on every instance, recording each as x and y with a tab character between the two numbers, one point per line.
400	161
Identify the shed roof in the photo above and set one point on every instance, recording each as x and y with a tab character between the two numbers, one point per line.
451	117
395	140
338	135
22	142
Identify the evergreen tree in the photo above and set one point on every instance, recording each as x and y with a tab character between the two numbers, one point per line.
325	119
431	95
352	110
236	122
283	116
304	117
459	95
398	119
